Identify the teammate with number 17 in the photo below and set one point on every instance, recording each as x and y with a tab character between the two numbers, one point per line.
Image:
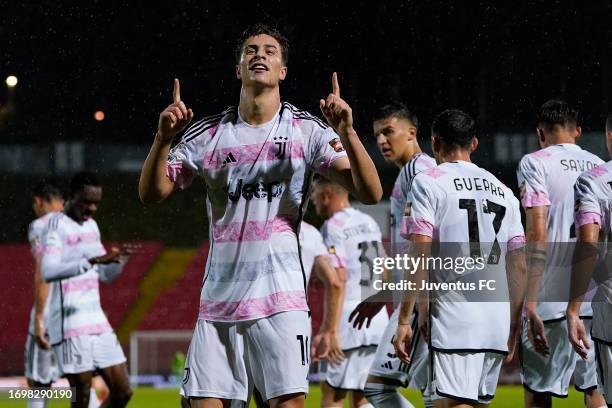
463	207
257	161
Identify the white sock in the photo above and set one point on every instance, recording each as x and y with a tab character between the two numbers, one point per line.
38	403
93	399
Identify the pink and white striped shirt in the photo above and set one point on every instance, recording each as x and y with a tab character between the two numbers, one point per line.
257	182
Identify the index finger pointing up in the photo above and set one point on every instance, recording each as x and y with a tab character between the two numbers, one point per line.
176	92
335	85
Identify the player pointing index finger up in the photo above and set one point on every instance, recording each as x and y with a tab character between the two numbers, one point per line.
257	161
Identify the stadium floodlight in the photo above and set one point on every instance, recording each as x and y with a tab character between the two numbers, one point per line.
99	116
11	81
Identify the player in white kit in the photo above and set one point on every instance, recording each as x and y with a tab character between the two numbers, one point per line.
353	240
395	128
455	204
75	261
546	179
256	161
593	218
40	366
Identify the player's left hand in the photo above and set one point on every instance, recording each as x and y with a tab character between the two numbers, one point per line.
365	311
326	346
401	342
337	112
577	336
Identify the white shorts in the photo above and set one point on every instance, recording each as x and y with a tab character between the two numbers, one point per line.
551	375
88	352
603	354
352	372
387	365
40	365
468	377
273	351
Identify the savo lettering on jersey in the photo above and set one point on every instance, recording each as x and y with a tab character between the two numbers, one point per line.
577	165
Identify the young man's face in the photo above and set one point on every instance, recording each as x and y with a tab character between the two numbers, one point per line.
321	197
85	202
393	135
261	63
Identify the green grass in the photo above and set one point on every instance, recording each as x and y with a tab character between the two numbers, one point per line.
507	397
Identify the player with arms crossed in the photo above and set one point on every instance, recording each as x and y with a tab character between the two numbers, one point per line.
40	366
353	240
593	217
546	178
75	261
395	128
256	161
459	202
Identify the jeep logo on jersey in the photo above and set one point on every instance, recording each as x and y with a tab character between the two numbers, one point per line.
336	144
281	142
273	189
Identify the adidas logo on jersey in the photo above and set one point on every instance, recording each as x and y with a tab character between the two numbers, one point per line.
229	159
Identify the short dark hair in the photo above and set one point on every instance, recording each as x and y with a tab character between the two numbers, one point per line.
454	127
258	29
47	189
557	112
397	110
82	179
609	123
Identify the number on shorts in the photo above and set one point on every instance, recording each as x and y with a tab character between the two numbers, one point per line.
304	348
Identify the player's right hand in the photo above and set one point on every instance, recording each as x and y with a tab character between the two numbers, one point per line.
401	342
175	117
536	333
326	346
578	336
40	336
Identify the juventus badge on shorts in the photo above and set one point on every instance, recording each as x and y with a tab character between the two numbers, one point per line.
281	142
186	375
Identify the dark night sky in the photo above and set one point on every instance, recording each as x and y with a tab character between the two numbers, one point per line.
498	61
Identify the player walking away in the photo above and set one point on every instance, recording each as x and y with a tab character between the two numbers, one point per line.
459	202
40	367
256	161
593	218
75	260
353	240
546	179
395	128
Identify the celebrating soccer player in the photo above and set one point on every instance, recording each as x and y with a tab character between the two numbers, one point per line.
395	128
593	218
257	161
353	240
546	179
75	261
466	210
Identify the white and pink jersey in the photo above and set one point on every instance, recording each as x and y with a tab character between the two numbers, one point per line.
311	245
418	163
35	235
593	194
471	214
546	178
257	182
353	240
74	305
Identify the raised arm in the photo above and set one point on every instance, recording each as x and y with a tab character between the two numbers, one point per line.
356	174
154	186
